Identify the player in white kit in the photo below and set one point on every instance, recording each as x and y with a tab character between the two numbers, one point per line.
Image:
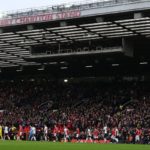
66	134
89	134
33	138
105	129
45	132
6	133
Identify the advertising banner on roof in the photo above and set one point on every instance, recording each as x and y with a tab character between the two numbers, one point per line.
40	18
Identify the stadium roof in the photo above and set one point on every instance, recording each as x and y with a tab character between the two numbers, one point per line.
15	46
33	28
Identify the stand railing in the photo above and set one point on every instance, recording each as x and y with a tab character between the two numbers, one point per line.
88	4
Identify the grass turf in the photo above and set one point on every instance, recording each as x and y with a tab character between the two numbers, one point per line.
19	145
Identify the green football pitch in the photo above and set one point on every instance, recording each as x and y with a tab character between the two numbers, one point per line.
19	145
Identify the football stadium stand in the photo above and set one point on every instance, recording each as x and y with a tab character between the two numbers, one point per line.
76	73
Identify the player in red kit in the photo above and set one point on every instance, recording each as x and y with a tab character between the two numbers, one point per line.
77	134
114	133
95	134
137	135
20	132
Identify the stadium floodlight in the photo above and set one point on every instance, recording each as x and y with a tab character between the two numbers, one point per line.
141	28
65	80
18	70
90	66
148	33
63	68
88	39
72	35
74	32
53	63
60	28
140	25
62	62
6	34
101	27
112	31
131	20
125	35
68	30
113	34
115	65
10	37
4	44
144	63
138	22
95	24
110	28
143	31
30	31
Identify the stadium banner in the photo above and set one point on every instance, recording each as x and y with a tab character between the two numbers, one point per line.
89	141
40	18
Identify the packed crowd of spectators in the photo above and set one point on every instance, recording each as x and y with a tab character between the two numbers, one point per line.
115	112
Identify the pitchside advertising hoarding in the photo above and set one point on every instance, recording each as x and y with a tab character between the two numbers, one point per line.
40	18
